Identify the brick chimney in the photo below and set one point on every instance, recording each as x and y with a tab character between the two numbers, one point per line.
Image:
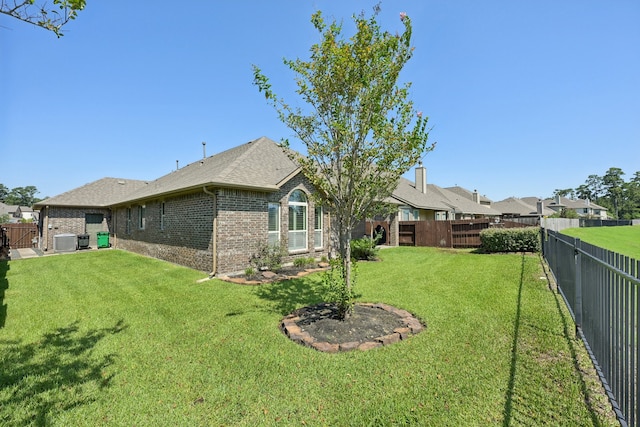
421	178
476	196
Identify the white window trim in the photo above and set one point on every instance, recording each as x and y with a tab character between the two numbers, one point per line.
305	231
275	232
318	220
141	216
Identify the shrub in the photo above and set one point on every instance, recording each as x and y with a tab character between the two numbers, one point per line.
510	239
268	257
364	249
303	262
249	272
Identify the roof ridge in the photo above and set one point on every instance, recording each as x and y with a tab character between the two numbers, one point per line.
231	165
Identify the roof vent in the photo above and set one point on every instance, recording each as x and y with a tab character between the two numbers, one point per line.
122	182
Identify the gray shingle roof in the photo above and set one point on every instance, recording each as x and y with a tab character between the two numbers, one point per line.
515	206
439	199
261	164
461	191
100	193
573	204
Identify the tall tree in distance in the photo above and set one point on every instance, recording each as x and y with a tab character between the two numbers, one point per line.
360	128
50	15
612	183
22	196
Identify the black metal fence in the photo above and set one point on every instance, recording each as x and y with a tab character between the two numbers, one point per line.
604	222
600	288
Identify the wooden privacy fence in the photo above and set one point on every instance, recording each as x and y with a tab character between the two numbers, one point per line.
448	234
21	235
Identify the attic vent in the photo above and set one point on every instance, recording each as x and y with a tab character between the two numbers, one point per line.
121	182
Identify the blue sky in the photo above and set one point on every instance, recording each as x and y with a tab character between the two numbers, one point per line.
523	96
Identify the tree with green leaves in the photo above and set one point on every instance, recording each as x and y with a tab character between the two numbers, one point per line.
22	196
359	126
4	192
564	192
612	182
51	16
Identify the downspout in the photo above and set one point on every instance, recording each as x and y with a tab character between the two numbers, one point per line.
214	233
45	226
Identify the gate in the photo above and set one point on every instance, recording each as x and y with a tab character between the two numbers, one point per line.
21	235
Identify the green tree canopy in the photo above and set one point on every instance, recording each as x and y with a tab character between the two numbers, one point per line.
21	196
50	15
359	126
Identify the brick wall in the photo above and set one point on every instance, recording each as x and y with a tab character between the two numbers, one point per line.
62	220
184	235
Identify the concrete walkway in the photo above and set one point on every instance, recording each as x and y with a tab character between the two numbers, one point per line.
23	253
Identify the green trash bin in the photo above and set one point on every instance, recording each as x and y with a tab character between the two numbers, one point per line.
103	239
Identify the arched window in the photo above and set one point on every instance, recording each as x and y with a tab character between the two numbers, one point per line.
297	221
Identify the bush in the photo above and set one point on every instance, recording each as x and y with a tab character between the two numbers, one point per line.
268	257
303	262
510	239
364	249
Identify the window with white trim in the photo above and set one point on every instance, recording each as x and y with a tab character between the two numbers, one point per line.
297	221
141	213
128	220
317	228
162	215
409	214
274	223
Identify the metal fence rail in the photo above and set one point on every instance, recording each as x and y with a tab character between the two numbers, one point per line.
600	288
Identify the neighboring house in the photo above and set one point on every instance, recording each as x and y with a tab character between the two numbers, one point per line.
514	207
6	211
27	213
584	208
213	214
421	201
17	213
473	196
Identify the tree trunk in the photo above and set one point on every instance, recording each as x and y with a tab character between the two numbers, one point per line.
345	254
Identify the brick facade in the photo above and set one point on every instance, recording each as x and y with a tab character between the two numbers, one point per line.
184	234
56	220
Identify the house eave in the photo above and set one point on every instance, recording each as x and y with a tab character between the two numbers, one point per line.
196	188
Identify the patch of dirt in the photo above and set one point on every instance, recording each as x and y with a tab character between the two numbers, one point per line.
364	324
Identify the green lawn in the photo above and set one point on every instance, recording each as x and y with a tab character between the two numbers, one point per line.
623	240
112	338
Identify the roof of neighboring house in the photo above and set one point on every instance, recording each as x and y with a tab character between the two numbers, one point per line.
461	191
261	164
461	204
7	209
515	206
439	199
407	193
100	193
574	204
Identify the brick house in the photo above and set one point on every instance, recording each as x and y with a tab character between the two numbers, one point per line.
83	210
212	214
